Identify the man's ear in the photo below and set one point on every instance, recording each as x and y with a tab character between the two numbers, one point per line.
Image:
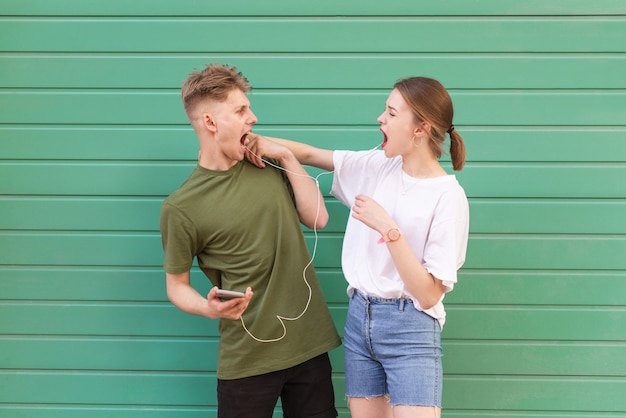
209	122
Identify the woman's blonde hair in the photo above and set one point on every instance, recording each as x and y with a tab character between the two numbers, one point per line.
431	103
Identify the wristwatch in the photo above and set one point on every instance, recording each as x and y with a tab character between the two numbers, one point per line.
392	235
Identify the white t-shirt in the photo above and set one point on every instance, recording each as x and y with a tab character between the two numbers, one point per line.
432	214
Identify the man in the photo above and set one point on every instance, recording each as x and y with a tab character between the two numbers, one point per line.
243	226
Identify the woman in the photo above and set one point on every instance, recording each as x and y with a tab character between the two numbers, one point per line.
405	240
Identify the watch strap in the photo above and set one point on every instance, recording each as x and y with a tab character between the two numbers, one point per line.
386	238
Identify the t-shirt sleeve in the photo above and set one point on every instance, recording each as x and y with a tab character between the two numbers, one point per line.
340	188
447	241
355	173
179	240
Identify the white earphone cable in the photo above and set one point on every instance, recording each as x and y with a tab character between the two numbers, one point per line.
280	318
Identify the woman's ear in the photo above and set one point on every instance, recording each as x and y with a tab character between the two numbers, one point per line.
422	128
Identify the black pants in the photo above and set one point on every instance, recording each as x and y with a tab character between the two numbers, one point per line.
305	390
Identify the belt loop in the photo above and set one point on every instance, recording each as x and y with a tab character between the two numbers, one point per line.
402	304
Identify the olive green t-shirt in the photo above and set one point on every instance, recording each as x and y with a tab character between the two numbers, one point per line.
242	226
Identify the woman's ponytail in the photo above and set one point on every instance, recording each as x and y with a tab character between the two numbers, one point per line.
457	149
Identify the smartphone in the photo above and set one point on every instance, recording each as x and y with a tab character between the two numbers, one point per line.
228	294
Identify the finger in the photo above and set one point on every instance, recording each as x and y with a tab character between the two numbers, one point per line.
212	293
255	154
239	310
254	159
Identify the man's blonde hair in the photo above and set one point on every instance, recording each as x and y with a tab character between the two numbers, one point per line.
214	82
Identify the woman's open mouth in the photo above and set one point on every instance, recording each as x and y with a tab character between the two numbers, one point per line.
384	139
243	139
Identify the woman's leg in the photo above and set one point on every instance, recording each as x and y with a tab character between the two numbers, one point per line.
402	411
377	407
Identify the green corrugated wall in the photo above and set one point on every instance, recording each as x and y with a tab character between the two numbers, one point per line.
93	137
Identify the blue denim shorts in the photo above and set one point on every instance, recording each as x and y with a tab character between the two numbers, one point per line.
392	349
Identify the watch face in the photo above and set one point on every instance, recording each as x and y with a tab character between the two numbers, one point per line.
393	234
